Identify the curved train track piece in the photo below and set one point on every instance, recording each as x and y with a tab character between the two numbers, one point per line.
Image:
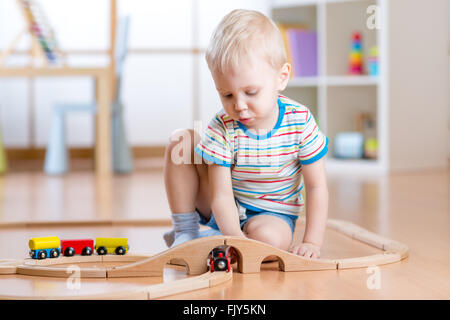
160	290
58	267
9	266
195	253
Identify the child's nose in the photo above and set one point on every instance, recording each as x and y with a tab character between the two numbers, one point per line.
240	105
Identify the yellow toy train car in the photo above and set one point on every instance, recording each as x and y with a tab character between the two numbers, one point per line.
111	245
41	248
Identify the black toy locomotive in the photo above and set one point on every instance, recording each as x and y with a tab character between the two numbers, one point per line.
219	259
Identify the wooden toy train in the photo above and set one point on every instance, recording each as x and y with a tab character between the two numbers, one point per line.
219	259
52	247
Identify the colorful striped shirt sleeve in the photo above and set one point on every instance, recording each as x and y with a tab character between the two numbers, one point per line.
313	144
215	144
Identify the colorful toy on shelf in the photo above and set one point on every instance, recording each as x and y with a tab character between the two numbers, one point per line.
365	123
52	247
349	145
356	55
371	148
372	64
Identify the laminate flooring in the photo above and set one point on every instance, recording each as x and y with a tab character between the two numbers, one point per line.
413	208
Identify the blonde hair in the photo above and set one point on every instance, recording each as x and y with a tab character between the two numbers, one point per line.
239	32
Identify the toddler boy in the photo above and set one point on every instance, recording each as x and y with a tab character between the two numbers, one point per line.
256	149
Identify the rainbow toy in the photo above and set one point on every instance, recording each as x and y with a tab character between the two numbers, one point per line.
356	56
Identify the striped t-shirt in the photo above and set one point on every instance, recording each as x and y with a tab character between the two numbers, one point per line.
266	169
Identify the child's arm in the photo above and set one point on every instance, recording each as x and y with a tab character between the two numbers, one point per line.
222	200
316	209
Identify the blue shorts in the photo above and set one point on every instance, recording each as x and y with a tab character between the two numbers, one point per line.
290	219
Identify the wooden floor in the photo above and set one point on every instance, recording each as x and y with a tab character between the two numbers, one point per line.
413	208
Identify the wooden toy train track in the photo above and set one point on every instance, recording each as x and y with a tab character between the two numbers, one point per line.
195	253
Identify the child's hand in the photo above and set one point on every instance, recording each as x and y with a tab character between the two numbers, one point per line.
308	250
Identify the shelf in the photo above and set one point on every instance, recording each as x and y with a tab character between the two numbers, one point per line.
354	166
278	4
339	96
304	82
351	80
333	81
342	20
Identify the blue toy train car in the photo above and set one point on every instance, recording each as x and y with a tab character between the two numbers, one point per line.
41	248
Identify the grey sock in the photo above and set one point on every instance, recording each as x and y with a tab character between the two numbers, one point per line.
169	237
185	228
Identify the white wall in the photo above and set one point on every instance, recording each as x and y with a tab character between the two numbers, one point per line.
158	88
419	84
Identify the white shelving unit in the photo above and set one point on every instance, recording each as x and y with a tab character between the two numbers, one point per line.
409	96
328	92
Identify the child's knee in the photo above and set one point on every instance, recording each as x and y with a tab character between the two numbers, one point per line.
270	234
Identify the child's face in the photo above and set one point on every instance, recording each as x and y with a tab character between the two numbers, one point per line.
249	93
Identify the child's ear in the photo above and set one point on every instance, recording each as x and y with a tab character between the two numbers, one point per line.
284	75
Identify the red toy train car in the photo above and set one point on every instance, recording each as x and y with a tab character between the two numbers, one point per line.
84	247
